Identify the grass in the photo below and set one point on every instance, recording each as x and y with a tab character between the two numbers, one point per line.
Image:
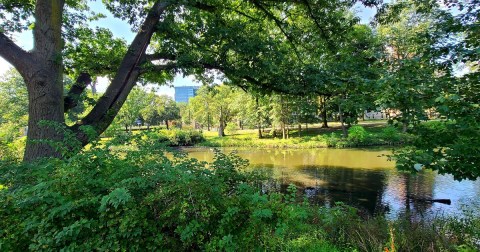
313	137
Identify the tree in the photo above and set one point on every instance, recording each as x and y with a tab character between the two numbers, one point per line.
201	106
406	84
149	113
190	36
185	113
214	104
281	113
131	110
167	109
452	144
350	92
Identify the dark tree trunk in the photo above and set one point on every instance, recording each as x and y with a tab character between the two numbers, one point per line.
344	129
221	130
259	123
166	124
324	113
221	125
44	82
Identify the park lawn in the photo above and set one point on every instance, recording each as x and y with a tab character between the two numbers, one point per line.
312	137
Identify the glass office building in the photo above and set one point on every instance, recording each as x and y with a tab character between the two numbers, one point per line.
182	94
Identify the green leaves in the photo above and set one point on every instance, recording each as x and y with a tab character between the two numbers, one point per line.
118	197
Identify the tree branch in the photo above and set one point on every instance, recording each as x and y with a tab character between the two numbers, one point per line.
279	24
71	99
110	103
12	53
160	56
158	68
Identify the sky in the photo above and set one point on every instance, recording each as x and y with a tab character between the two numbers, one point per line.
121	29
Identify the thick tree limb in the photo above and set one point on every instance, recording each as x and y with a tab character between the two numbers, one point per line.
110	103
71	99
158	68
12	53
160	56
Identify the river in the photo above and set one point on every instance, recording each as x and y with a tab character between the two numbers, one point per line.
364	178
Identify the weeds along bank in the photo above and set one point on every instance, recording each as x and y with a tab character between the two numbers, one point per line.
118	198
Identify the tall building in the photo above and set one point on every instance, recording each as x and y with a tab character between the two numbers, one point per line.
183	94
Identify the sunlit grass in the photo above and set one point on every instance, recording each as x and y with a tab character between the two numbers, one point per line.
312	136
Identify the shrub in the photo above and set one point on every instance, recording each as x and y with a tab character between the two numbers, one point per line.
12	151
141	200
390	134
357	134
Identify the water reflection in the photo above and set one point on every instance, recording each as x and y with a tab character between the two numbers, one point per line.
360	177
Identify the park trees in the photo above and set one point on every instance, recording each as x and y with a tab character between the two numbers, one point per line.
131	109
408	81
214	104
451	145
167	109
190	36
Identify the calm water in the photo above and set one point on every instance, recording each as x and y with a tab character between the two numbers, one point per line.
360	177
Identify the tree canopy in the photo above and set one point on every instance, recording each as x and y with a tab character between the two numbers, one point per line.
257	44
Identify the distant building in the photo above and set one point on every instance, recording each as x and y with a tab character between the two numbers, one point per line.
183	94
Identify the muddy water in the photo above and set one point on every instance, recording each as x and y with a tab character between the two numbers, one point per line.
364	178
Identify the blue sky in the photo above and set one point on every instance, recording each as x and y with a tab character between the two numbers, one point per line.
121	29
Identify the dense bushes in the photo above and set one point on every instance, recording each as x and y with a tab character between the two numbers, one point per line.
142	201
138	199
172	137
358	136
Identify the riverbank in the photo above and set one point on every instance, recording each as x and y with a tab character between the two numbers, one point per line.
367	133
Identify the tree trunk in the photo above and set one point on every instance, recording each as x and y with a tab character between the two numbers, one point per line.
221	125
324	114
259	124
221	130
284	132
42	70
45	97
45	82
344	129
166	124
208	121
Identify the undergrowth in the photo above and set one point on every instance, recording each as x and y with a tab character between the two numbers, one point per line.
139	199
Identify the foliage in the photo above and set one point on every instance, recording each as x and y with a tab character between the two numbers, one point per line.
409	80
138	199
391	134
99	200
214	105
13	106
357	134
12	151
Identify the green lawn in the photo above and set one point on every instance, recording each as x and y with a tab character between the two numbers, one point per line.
312	137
